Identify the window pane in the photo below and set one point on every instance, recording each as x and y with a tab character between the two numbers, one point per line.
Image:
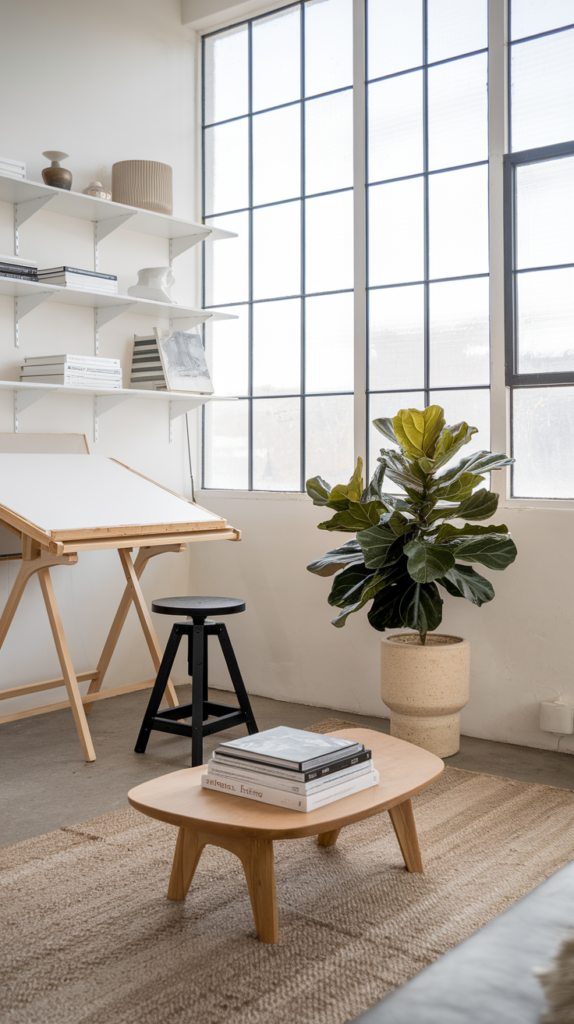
396	232
528	17
388	405
394	36
227	351
329	449
458	222
458	112
276	59
329	242
277	347
545	321
276	444
226	167
543	426
455	28
542	91
545	213
329	343
471	406
328	45
329	143
226	431
276	251
226	75
396	338
227	262
277	155
459	333
395	140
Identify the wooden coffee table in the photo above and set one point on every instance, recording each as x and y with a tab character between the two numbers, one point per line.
247	828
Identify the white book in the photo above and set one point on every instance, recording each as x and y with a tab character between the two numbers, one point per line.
268	795
106	372
96	361
275	782
76	381
82	284
18	261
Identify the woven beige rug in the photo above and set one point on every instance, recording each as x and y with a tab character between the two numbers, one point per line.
88	936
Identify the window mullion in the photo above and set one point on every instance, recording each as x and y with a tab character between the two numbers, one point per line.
360	231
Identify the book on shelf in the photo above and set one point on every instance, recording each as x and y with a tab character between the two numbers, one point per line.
73	380
147	372
12	168
88	280
217	771
15	275
67	357
17	261
109	372
292	801
290	748
53	271
240	765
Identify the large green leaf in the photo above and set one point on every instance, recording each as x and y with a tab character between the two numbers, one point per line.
427	561
448	532
404	473
330	563
318	489
380	546
358	516
417	430
451	441
478	462
420	607
456	490
371	587
341	494
385	427
399	524
373	489
348	585
480	504
462	581
495	550
384	613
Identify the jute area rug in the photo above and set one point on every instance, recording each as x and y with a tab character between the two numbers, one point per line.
90	938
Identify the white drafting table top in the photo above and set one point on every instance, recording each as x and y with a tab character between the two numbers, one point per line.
64	492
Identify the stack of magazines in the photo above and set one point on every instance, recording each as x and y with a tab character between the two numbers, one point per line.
18	269
291	768
12	168
73	371
85	280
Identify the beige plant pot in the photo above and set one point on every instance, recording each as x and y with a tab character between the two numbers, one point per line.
425	687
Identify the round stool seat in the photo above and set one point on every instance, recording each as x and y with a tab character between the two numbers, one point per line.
198	607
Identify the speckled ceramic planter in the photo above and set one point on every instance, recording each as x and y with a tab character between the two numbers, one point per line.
425	687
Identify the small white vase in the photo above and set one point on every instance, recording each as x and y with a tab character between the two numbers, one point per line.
154	283
425	687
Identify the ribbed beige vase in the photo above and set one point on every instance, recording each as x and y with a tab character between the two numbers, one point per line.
144	183
425	687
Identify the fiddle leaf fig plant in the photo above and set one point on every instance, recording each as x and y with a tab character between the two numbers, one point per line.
408	545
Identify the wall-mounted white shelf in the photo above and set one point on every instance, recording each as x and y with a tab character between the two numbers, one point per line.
105	398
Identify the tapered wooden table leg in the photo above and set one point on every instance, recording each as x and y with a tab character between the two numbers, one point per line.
328	838
257	859
403	821
188	849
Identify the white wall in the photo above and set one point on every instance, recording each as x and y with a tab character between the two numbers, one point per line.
103	82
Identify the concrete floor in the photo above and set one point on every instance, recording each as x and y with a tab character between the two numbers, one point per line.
46	784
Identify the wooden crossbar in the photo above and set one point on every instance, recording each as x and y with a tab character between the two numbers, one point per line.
88	698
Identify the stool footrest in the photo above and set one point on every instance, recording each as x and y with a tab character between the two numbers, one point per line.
165	724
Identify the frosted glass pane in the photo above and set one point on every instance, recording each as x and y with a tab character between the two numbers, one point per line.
276	251
226	433
394	36
543	426
458	222
277	347
227	262
528	17
226	167
388	406
459	333
226	349
471	406
542	110
329	448
395	129
458	112
455	28
276	59
329	343
328	45
276	444
545	314
277	155
226	75
545	213
396	338
329	242
396	232
329	143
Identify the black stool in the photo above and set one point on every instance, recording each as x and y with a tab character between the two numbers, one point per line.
224	716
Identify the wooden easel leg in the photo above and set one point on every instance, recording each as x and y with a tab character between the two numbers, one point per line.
188	850
403	821
145	620
14	600
328	838
66	664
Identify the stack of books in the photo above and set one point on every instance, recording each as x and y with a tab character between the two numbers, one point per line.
12	168
147	369
18	269
291	768
86	280
73	371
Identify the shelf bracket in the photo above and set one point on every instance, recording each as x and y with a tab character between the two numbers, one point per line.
178	407
102	315
103	404
24	304
102	228
22	399
179	245
22	211
184	323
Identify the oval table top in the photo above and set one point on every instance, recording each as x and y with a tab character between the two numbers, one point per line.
179	799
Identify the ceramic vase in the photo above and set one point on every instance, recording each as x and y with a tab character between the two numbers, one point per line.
58	177
154	283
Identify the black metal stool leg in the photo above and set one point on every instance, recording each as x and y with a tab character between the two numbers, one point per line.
197	693
158	690
236	678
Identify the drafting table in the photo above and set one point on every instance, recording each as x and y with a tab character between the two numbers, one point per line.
61	505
